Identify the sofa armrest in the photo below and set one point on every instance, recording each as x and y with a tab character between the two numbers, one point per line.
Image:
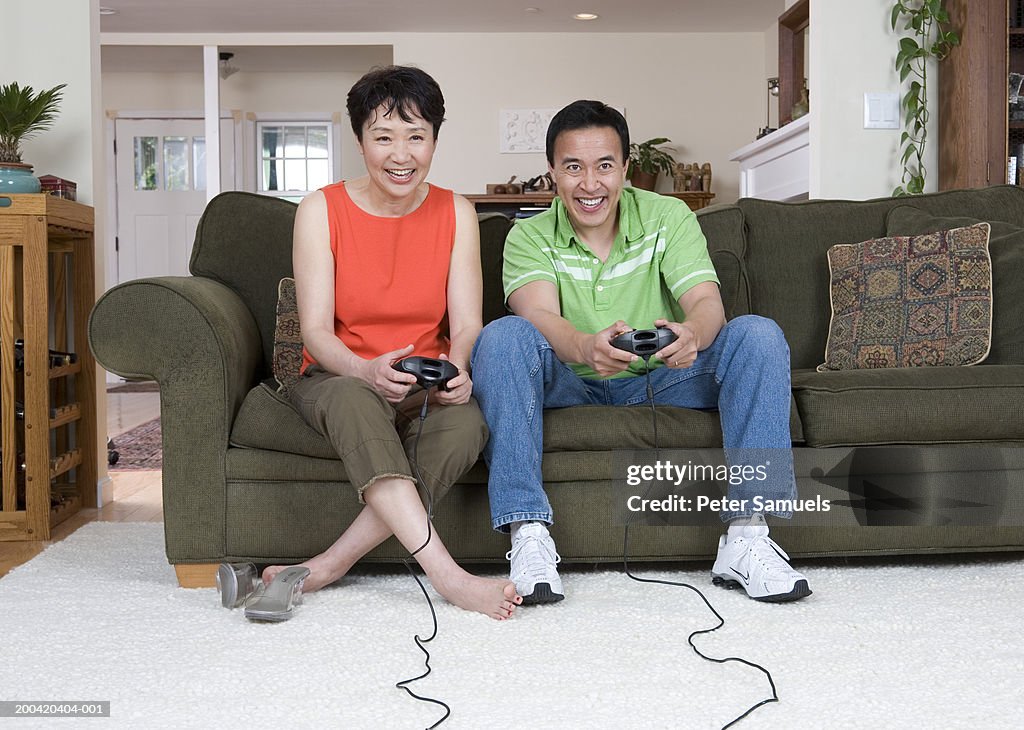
199	341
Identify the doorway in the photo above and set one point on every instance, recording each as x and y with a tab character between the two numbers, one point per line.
161	192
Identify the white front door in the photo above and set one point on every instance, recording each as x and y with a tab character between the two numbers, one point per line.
161	192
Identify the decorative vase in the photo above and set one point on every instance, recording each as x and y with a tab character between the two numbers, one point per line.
17	177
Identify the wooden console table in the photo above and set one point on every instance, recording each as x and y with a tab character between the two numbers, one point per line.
512	204
46	277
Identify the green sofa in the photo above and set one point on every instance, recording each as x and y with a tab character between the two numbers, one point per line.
245	479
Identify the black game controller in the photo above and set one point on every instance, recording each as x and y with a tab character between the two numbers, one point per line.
645	342
428	371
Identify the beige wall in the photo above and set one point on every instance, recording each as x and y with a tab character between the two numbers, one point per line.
666	83
57	42
248	92
703	91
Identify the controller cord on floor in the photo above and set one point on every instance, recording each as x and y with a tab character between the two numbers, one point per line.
420	641
721	621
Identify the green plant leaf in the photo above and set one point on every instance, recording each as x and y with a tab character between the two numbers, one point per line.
23	114
908	45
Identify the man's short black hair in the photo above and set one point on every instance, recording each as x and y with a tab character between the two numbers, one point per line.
408	89
584	114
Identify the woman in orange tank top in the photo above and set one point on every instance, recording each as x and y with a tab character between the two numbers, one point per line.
388	266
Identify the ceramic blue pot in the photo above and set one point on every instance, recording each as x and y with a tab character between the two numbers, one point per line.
17	178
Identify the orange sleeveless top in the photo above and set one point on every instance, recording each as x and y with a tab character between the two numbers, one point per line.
391	275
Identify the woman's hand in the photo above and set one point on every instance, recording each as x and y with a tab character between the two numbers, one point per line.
383	378
459	388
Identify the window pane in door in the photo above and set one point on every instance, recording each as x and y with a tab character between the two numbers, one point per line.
199	162
176	163
145	163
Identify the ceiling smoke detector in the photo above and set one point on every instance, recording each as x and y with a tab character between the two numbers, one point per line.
226	69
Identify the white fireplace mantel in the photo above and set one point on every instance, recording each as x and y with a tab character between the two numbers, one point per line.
777	166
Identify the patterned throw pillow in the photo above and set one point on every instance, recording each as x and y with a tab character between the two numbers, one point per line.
911	301
287	336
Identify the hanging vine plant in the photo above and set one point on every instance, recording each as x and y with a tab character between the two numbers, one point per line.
929	39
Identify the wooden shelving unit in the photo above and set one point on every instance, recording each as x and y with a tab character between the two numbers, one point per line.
49	457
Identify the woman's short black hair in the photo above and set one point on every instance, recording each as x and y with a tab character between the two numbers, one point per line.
410	90
584	114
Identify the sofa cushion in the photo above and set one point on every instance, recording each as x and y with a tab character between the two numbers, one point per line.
910	405
268	421
1006	247
244	241
722	226
287	364
786	245
493	229
908	301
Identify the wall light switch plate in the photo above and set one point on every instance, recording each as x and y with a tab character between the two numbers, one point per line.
882	111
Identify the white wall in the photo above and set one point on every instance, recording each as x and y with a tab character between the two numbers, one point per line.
851	54
57	42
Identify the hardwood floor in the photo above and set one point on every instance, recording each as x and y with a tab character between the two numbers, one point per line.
137	494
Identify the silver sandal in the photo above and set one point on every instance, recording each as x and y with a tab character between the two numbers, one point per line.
235	583
277	601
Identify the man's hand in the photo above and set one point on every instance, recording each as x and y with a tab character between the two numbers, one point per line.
599	354
682	352
383	378
459	388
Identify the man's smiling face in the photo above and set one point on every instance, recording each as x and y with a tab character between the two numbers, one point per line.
590	174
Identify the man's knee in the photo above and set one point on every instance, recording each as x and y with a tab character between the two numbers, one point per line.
760	334
504	336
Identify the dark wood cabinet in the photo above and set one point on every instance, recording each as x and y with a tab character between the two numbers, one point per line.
975	132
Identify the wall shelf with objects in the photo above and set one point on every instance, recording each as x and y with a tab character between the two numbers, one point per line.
48	438
523	205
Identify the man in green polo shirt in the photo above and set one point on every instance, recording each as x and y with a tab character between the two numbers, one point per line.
603	260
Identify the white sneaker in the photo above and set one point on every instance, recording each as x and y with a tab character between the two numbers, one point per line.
533	570
752	559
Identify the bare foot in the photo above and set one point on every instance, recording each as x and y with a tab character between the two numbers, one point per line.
489	596
322	572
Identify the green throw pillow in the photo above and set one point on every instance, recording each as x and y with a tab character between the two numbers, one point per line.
910	301
287	336
1006	247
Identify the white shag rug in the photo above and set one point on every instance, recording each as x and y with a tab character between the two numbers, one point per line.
912	644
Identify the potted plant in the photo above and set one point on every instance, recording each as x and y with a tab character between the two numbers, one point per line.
646	160
23	114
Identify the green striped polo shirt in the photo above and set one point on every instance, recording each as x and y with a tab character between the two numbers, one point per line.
659	253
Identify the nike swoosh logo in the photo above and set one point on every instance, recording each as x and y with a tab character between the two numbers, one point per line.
746	578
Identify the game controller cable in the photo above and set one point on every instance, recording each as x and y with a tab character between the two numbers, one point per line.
641	342
429	373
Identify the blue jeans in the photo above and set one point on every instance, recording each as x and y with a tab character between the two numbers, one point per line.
744	374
